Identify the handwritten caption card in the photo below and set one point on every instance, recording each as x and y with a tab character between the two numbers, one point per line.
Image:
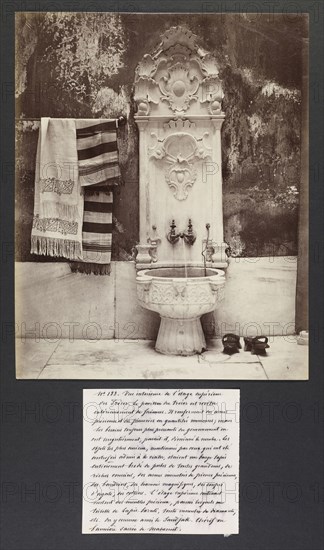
160	461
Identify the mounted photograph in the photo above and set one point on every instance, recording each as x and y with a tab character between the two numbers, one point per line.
161	222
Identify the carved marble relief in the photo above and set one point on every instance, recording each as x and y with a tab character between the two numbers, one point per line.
178	72
180	151
178	95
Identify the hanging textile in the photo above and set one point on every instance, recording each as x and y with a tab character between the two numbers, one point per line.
98	173
97	153
96	234
58	199
77	167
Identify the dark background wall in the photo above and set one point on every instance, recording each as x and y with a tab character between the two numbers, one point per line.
81	65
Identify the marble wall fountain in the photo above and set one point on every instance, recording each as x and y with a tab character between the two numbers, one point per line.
181	256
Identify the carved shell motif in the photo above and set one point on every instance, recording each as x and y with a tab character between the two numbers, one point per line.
178	72
179	87
179	150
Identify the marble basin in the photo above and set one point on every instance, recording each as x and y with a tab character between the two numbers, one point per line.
180	295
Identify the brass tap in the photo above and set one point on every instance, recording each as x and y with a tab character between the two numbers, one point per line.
188	236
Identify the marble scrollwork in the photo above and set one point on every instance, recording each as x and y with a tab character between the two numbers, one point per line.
178	73
178	111
180	151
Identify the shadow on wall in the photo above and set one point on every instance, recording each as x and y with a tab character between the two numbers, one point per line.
82	65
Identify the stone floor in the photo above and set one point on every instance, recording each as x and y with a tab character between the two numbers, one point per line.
131	359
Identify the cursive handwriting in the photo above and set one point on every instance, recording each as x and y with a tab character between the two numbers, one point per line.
160	461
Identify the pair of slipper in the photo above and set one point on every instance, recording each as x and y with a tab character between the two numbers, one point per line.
254	344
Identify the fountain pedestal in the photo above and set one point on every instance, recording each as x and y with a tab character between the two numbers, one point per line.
181	301
180	337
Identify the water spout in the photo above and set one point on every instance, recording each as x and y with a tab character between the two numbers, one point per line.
184	260
188	236
204	250
172	236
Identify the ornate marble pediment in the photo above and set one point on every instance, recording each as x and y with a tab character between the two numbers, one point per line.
178	94
178	73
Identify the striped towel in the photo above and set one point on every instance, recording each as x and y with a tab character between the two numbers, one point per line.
97	153
98	172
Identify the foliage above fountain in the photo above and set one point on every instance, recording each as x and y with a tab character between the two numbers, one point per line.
178	94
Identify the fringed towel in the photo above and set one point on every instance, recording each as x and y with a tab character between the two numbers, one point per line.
76	169
96	234
58	202
98	173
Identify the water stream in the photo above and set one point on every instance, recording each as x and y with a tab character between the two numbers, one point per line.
184	258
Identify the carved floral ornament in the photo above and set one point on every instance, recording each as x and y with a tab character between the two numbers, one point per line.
179	151
178	72
180	293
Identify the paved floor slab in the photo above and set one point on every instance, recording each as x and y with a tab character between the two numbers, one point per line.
32	357
286	360
117	359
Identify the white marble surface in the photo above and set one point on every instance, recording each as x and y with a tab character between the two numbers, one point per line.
52	302
125	359
259	298
132	321
32	357
292	362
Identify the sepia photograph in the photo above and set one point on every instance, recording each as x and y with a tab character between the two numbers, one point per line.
161	196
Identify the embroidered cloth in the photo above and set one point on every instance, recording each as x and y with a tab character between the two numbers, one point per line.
76	168
58	199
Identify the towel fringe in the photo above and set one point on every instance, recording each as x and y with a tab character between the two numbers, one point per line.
97	191
47	246
90	268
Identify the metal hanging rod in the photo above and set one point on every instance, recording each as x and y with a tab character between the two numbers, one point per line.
120	120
